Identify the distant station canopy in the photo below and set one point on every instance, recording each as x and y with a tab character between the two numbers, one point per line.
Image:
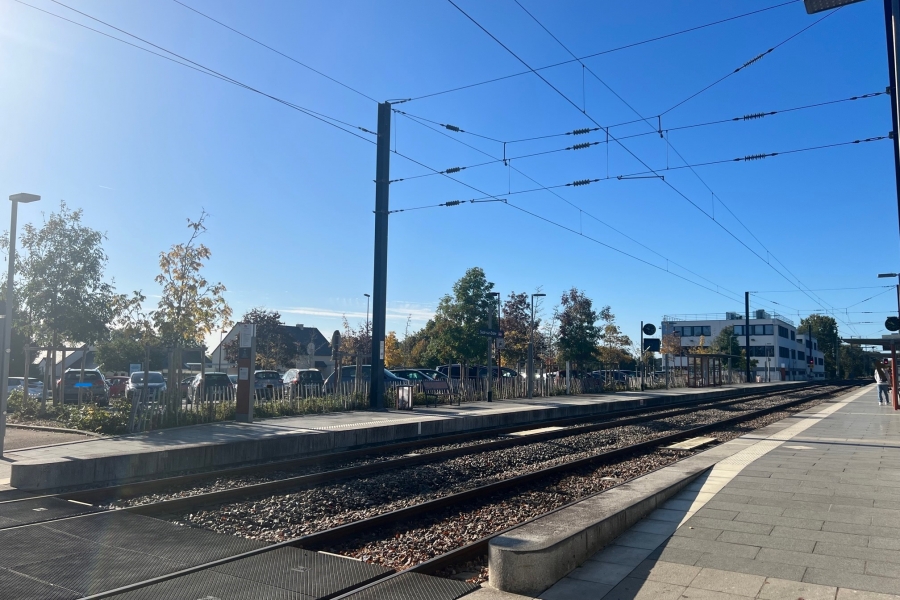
886	342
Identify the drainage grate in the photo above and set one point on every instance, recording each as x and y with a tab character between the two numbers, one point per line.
414	586
210	585
13	585
185	545
40	509
312	574
30	544
97	569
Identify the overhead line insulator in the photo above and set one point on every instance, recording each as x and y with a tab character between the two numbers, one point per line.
582	182
454	170
581	131
452	203
581	146
755	156
453	128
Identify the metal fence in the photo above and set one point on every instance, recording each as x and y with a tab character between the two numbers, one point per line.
151	410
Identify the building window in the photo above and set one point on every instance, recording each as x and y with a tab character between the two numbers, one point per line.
783	331
793	354
784	353
738	330
800	355
793	336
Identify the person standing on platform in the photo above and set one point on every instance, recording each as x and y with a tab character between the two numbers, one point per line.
883	381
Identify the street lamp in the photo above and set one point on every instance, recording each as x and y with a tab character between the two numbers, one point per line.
7	321
530	370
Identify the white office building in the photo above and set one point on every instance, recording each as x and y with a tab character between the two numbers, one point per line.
780	351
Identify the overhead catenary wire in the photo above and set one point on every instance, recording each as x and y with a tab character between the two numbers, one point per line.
629	151
669	145
608	51
334	122
276	51
583	211
750	62
638	174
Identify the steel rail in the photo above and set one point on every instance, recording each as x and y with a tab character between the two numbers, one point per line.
315	540
187	503
132	490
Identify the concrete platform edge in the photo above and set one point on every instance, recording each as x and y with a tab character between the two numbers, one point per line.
533	557
62	473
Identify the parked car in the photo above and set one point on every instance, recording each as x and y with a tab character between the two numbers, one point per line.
414	375
504	373
185	386
433	373
35	386
156	384
452	371
303	381
117	384
267	383
348	374
98	391
233	380
217	386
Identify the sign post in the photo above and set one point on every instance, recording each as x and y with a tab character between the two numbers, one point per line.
246	365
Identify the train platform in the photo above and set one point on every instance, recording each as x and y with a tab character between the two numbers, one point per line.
807	508
166	452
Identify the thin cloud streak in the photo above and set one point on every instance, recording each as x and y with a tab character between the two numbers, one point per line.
418	313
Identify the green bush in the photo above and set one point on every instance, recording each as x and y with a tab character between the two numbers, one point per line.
108	421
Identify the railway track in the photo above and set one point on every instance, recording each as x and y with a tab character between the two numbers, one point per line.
421	514
370	460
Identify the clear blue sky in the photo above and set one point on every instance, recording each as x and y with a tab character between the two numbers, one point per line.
141	144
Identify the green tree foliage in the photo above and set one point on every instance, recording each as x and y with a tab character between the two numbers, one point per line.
190	307
453	332
516	325
123	348
274	347
60	287
825	330
727	343
614	345
856	362
578	331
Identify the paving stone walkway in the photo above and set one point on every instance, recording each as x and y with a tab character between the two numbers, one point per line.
810	512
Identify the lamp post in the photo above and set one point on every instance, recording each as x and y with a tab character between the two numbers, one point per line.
368	331
7	321
490	365
530	370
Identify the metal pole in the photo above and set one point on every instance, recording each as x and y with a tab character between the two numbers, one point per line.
490	365
891	13
529	371
379	291
27	364
894	375
641	354
747	331
7	323
81	374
